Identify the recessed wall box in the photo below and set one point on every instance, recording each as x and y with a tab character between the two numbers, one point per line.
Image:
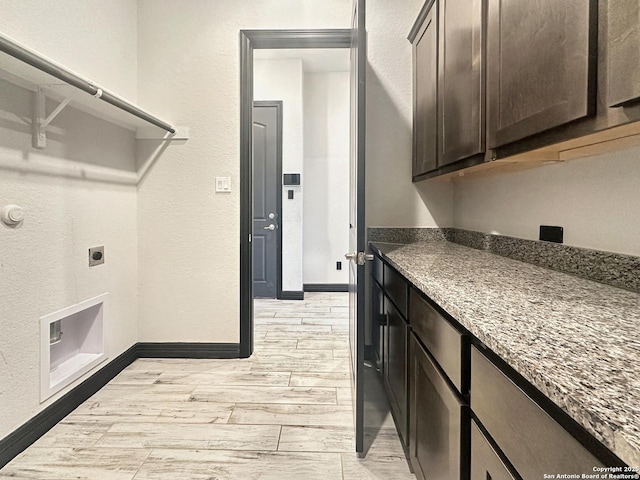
71	344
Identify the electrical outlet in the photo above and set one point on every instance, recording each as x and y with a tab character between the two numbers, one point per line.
551	234
96	256
338	265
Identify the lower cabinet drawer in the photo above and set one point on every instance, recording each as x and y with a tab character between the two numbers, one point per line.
377	270
534	443
485	462
439	422
396	288
442	340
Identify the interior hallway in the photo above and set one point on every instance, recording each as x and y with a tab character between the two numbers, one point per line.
285	413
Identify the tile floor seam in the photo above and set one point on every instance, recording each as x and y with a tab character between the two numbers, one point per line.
279	437
142	465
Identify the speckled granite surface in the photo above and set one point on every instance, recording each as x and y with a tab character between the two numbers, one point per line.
406	235
611	268
574	339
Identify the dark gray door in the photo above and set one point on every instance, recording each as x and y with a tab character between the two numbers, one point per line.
356	217
267	192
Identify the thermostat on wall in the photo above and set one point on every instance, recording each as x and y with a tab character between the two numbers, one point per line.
291	179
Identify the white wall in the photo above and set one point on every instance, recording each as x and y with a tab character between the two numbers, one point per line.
282	80
95	38
189	237
44	262
392	200
326	179
595	199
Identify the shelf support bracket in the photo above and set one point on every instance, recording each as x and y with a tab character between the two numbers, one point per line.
41	121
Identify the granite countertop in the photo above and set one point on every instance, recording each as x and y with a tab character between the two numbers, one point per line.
574	339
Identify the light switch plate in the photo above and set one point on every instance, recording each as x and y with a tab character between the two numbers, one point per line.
223	184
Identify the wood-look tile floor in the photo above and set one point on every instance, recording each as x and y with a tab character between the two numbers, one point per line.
285	413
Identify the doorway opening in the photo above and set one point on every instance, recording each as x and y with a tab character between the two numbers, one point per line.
265	40
301	218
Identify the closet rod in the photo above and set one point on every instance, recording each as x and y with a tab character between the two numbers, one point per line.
33	58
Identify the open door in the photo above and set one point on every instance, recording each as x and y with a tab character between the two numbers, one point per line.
357	245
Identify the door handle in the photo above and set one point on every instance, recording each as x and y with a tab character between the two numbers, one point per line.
271	227
359	257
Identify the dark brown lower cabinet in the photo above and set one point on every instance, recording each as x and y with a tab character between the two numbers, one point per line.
439	422
485	462
378	323
395	367
529	437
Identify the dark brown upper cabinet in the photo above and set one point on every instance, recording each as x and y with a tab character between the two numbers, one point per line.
425	92
460	80
623	48
448	85
541	70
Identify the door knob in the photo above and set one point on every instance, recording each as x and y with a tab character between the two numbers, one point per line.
270	227
359	257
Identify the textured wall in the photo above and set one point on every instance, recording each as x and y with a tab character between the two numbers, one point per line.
282	80
392	200
326	165
188	235
595	199
44	261
95	38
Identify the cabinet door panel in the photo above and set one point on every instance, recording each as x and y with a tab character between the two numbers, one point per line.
485	462
438	422
461	92
541	73
623	51
396	367
425	94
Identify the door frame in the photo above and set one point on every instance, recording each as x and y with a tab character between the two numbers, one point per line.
249	41
278	106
